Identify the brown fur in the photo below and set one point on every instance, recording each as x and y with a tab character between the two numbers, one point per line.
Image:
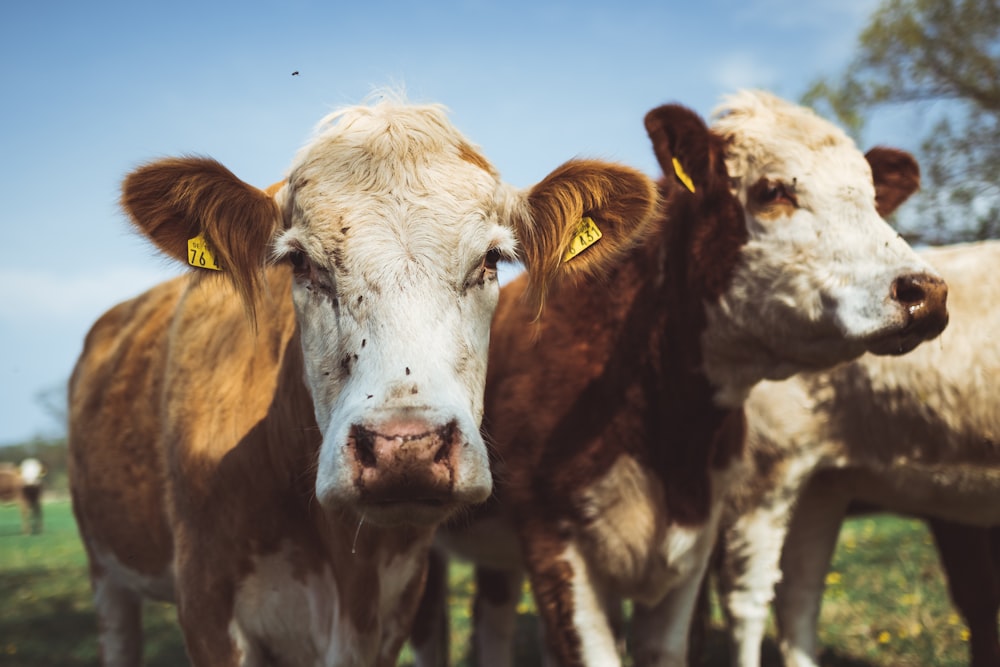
228	490
176	199
615	371
193	440
610	198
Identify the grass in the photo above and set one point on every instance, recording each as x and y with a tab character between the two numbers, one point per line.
886	603
46	611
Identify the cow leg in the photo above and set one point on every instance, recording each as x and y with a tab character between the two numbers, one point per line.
119	622
31	509
495	616
570	602
809	546
750	569
970	564
205	611
430	633
660	633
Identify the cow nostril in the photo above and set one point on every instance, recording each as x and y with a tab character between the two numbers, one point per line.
909	290
364	446
447	435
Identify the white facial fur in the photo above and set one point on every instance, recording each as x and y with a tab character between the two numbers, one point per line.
32	471
814	284
393	223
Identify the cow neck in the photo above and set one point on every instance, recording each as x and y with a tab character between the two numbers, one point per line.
690	435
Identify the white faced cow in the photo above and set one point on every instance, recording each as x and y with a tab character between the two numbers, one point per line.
272	446
22	484
917	434
617	418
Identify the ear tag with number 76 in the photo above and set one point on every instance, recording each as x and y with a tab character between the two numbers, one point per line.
586	235
199	256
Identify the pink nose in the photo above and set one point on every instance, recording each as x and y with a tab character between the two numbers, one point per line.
405	461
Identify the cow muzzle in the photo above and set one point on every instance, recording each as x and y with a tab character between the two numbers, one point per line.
409	471
923	298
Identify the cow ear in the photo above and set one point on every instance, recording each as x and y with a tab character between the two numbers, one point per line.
580	218
178	199
682	144
896	175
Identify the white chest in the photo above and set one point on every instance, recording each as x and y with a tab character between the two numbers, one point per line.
310	618
631	540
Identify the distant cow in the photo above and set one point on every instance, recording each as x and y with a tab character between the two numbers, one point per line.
23	485
917	434
271	445
617	418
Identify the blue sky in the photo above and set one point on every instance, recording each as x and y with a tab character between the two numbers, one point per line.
90	90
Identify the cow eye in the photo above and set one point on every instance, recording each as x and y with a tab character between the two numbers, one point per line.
297	259
776	193
493	256
772	193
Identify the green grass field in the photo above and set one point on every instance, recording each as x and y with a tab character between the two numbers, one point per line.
886	603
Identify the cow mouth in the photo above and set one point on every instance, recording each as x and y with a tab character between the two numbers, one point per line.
421	502
407	511
903	340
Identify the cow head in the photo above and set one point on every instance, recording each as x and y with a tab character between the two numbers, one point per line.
392	224
815	275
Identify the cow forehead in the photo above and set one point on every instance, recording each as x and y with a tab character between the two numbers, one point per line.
395	182
768	137
388	147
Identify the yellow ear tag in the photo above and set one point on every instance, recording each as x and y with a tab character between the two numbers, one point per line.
199	256
682	175
586	235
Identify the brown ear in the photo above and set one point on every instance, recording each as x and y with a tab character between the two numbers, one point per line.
176	199
680	134
896	175
621	202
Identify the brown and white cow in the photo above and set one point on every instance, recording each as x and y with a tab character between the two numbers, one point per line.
917	434
22	484
617	418
271	445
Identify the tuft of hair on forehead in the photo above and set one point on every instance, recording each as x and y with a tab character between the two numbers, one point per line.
754	122
388	127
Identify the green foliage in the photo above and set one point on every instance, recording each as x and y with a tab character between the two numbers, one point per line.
886	603
943	55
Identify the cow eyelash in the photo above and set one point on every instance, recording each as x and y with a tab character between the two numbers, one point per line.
486	271
775	193
297	259
306	271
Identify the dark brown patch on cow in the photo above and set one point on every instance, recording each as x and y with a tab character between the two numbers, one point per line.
896	176
551	581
